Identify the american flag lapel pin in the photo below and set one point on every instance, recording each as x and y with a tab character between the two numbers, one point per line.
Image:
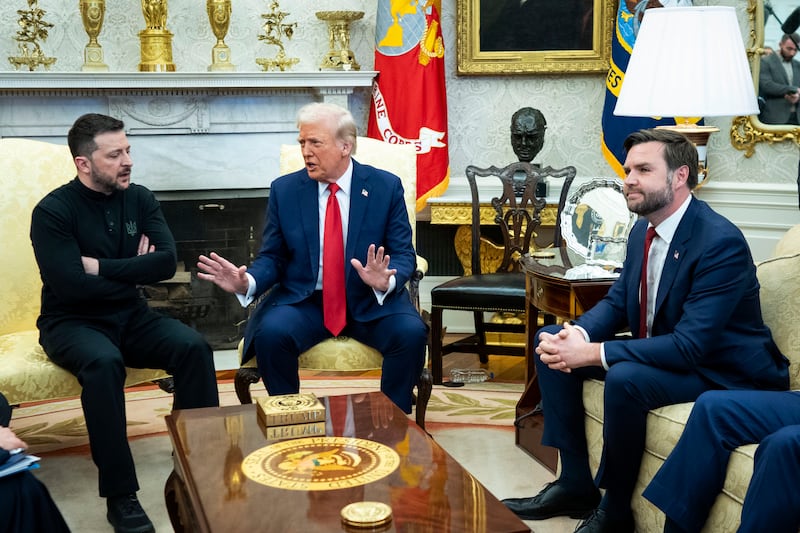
364	193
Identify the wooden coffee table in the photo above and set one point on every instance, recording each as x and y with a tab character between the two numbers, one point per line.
427	491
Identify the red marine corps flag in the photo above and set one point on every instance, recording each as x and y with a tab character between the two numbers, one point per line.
409	105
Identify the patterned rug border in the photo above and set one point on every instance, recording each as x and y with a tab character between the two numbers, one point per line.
59	425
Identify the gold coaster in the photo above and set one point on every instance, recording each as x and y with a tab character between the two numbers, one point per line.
366	514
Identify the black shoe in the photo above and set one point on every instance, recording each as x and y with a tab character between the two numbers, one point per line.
598	522
554	500
125	513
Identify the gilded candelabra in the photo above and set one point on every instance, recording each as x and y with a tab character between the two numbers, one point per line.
219	15
32	29
92	14
274	31
155	40
340	56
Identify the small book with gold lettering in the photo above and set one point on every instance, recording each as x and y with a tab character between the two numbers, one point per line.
290	409
295	431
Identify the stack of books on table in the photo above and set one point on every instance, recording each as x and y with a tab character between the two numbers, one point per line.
291	416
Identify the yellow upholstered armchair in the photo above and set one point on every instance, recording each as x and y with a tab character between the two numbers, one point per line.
28	171
343	353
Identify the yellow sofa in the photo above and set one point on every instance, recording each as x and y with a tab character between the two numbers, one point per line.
28	171
780	304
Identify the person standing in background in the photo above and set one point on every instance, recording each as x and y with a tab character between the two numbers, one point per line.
778	81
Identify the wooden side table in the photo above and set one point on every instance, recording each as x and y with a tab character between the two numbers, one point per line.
549	291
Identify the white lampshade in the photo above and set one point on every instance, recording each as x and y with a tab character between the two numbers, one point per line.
688	62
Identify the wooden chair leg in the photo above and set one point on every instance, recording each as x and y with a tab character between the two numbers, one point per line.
480	334
166	384
244	378
424	388
436	344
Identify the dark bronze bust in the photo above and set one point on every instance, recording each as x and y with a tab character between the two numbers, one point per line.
527	138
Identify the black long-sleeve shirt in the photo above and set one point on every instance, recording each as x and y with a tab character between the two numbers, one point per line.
74	221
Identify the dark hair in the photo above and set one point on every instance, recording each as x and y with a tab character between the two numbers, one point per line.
82	133
678	150
537	115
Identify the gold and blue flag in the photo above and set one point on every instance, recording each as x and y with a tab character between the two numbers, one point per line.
615	129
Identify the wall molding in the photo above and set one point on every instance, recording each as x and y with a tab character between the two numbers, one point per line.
763	211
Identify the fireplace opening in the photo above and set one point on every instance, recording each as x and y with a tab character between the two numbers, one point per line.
232	228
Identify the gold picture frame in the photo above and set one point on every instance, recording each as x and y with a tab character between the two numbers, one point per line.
747	131
476	58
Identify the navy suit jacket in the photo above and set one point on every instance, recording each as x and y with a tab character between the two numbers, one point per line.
288	262
707	312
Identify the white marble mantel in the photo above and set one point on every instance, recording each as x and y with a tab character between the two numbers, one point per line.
188	131
24	82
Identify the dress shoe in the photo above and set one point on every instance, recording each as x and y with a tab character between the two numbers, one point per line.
554	500
599	522
125	513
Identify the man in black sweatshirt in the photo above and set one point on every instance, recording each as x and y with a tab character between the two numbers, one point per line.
96	239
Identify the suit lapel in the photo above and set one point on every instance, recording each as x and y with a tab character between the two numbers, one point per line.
309	217
676	252
359	203
778	64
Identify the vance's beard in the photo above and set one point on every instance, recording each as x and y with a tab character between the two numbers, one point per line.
653	201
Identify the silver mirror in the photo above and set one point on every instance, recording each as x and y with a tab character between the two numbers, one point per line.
595	223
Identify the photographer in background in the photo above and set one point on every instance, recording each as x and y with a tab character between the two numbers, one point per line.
778	82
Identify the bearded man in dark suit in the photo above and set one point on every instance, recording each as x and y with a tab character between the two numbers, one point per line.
694	315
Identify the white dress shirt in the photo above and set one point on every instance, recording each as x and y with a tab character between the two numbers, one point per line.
655	264
344	182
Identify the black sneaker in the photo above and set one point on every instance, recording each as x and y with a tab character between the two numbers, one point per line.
125	513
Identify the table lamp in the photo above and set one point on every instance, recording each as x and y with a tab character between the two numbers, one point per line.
688	63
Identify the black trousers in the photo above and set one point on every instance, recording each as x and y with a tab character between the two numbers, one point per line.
97	350
26	505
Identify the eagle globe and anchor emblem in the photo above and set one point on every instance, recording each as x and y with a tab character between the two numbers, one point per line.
400	26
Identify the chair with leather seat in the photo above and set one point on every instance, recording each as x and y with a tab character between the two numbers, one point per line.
343	353
517	219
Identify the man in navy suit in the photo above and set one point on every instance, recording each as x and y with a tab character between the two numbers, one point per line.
290	263
720	422
700	328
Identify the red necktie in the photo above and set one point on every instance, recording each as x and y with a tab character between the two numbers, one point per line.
338	407
334	301
648	240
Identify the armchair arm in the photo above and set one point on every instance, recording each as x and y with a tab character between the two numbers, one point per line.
416	277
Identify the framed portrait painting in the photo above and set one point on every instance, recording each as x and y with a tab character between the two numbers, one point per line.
534	36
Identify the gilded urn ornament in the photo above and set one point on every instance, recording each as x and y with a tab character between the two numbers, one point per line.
92	14
219	15
155	40
340	56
